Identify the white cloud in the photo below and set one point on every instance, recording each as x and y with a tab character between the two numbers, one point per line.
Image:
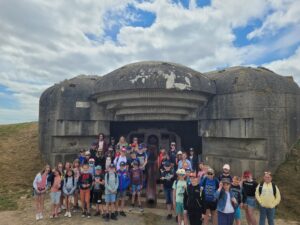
287	67
44	42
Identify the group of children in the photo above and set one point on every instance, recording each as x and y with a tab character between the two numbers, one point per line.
191	189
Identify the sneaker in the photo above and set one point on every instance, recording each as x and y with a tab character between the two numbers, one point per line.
41	216
66	214
88	215
132	208
51	216
83	214
37	216
116	213
103	216
122	213
107	217
69	215
169	217
97	214
113	216
141	209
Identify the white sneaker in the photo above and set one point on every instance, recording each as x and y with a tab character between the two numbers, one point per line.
69	215
66	214
41	216
37	216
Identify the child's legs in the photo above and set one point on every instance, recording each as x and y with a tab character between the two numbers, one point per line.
76	198
133	197
179	218
122	203
87	198
185	218
37	203
139	198
82	195
42	203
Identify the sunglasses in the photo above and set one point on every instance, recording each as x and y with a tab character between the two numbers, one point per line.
210	174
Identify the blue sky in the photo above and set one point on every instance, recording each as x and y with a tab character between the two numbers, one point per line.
43	43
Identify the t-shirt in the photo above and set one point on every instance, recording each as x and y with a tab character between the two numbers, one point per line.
169	178
97	186
136	176
249	188
228	206
209	188
179	186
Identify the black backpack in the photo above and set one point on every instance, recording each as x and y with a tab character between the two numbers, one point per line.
261	187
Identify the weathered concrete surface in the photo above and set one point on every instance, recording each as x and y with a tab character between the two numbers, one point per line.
249	117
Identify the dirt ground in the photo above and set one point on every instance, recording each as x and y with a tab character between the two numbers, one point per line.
149	217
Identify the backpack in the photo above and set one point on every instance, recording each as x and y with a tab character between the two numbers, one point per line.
72	179
116	176
261	187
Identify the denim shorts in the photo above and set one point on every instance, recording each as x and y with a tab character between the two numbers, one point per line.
55	197
237	213
168	195
121	194
251	202
135	188
110	198
179	208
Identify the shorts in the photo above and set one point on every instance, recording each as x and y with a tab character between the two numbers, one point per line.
85	195
55	197
121	194
237	213
179	208
110	198
251	202
135	188
212	206
168	195
97	197
37	194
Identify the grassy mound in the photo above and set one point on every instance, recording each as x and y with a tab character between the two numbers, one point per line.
287	177
20	160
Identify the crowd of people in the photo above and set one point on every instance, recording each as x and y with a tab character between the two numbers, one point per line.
106	173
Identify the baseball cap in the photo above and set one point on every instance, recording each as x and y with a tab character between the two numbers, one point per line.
210	170
98	167
122	163
226	166
87	153
226	180
179	153
91	160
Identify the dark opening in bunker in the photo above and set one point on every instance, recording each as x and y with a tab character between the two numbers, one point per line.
160	133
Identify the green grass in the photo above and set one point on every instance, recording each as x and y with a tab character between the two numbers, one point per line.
287	177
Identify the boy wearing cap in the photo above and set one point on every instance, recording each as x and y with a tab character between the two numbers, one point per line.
124	182
226	203
111	186
92	166
209	185
136	178
81	157
98	188
184	160
167	178
121	158
179	187
193	201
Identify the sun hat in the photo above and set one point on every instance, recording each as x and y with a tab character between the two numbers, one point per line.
180	172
